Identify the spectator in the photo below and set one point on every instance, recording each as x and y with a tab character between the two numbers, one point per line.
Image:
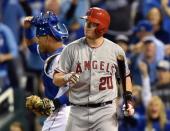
123	41
12	17
144	31
82	7
156	116
146	89
53	6
155	17
36	6
75	31
144	6
165	7
149	57
139	106
56	7
162	88
120	11
8	51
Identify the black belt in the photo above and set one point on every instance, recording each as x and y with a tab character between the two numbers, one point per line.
93	105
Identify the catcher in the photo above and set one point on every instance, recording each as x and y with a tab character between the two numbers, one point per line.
48	44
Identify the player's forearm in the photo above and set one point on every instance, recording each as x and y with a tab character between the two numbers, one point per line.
58	79
128	84
30	36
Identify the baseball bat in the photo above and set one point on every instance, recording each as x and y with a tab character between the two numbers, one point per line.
122	74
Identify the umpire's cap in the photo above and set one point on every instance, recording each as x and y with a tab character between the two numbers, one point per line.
100	17
48	24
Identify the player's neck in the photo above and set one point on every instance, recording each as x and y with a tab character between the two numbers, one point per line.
95	43
50	47
55	46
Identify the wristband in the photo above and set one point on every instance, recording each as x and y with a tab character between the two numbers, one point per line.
128	96
29	34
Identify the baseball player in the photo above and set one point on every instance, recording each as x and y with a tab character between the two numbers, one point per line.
89	65
48	45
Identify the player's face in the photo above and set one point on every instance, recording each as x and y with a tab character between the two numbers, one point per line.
47	43
89	30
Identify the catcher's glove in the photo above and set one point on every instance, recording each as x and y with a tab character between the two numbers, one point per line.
40	106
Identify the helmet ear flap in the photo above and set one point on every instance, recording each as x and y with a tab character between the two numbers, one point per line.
100	30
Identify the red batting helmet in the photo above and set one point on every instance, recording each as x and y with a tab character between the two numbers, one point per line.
100	17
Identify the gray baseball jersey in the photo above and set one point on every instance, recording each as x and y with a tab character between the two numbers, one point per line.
97	68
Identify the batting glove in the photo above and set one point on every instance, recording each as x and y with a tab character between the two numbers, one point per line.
128	109
72	78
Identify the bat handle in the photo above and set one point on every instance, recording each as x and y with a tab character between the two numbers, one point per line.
128	97
126	102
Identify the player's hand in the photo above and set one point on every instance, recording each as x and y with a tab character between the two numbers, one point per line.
72	78
27	22
129	110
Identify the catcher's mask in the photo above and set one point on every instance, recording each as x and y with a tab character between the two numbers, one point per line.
48	24
100	17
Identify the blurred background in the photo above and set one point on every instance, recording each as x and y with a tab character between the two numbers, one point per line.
140	27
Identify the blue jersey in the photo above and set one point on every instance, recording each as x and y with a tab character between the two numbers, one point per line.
51	90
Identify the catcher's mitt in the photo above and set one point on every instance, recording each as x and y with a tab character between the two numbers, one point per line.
39	106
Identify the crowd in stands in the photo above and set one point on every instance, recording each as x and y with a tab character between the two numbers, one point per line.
140	27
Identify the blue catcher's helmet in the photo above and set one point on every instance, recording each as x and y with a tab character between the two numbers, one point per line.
49	24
